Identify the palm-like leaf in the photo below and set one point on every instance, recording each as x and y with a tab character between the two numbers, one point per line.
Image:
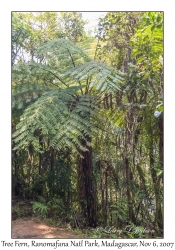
60	117
60	111
103	77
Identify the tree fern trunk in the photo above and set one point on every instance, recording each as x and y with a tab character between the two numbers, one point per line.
86	185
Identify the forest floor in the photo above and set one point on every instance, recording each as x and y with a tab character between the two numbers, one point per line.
33	229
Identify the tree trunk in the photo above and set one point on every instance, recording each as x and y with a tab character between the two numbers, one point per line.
131	215
156	183
160	124
104	192
129	152
86	185
29	168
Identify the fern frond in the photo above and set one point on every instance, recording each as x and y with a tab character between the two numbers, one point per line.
52	94
90	46
28	95
104	78
27	85
61	117
40	208
62	51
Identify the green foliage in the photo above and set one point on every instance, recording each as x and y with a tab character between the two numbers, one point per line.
60	115
59	179
134	231
17	212
69	98
103	77
114	33
30	30
21	209
159	107
54	208
73	26
19	35
64	52
39	208
147	44
52	114
120	209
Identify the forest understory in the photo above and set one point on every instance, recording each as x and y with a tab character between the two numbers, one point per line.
87	125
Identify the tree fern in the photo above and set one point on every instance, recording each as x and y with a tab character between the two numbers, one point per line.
62	53
103	77
57	95
40	208
90	46
61	118
28	85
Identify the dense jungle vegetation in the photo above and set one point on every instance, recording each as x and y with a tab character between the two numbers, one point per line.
87	121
